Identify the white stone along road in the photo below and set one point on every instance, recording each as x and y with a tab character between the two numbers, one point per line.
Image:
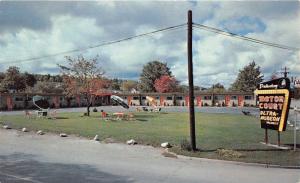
27	157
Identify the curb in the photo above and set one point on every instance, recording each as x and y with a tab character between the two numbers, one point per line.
235	162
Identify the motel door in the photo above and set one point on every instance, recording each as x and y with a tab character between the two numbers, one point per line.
9	102
240	100
199	103
187	99
161	100
227	100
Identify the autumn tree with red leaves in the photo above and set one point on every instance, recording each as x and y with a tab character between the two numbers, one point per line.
83	77
165	84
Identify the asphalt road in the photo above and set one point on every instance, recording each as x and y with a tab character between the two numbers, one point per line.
27	157
230	110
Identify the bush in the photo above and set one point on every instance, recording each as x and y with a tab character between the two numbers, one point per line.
185	145
246	105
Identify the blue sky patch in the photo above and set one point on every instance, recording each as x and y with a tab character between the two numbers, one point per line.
243	25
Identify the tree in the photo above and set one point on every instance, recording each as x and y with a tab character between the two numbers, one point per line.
218	87
47	87
185	88
116	84
13	80
2	76
248	78
166	84
129	85
152	71
83	77
29	79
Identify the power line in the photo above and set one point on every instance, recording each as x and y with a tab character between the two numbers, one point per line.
97	45
195	25
245	38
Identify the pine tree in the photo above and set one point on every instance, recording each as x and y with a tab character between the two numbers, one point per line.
248	78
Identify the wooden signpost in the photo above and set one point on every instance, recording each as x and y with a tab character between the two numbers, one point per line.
274	103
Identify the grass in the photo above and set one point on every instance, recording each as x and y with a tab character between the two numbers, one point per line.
236	134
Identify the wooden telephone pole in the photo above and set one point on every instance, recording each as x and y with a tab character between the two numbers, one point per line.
191	82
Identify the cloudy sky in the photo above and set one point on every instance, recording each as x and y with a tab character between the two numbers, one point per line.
34	29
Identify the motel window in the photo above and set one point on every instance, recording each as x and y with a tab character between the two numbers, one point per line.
169	98
135	98
207	97
18	99
233	97
179	98
248	97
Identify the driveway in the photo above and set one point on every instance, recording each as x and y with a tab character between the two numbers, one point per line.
27	157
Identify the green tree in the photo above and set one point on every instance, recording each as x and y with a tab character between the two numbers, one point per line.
46	87
13	80
83	77
152	71
129	85
2	76
29	79
248	78
185	88
218	87
116	84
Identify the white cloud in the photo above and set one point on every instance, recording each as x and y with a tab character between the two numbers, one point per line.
67	33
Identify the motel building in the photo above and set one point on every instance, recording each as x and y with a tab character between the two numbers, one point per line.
226	99
19	101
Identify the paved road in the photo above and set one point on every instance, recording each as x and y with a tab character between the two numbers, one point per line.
27	157
231	110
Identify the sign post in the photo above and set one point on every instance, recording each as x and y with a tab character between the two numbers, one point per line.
295	129
274	103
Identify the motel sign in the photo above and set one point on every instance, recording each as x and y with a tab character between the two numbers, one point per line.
274	102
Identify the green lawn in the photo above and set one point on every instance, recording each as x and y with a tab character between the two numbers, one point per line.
214	131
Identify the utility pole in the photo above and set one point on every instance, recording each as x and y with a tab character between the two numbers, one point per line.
191	82
285	71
